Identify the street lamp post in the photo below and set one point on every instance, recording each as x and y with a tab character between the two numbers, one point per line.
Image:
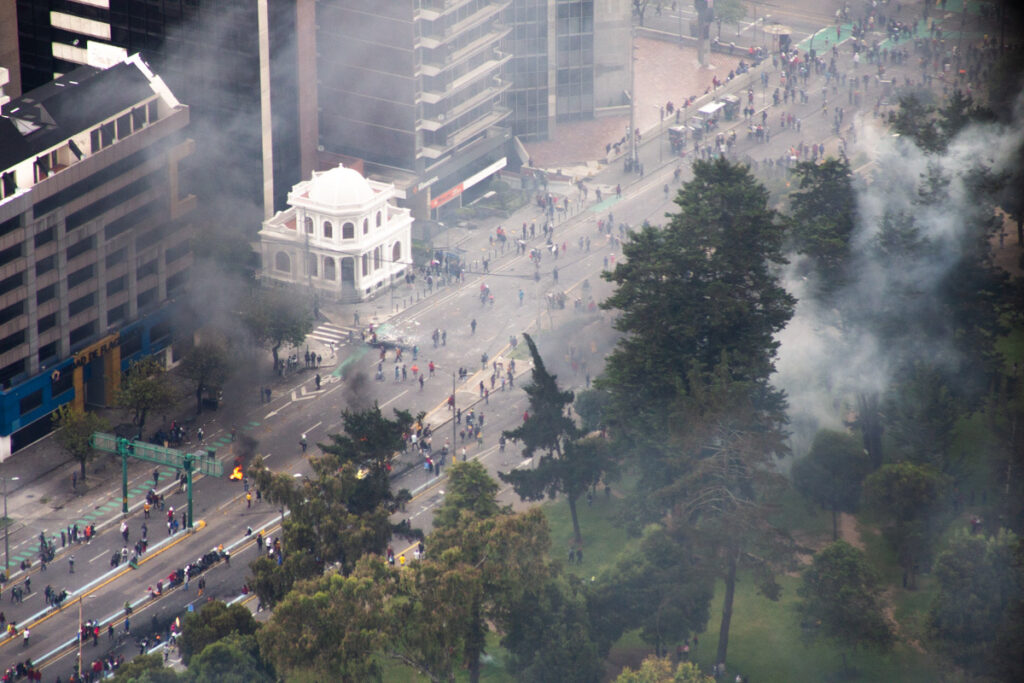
455	457
7	526
661	125
634	158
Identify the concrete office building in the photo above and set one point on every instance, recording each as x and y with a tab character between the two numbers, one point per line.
341	237
414	88
94	238
570	62
233	62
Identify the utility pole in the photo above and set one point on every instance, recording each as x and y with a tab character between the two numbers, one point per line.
701	6
634	158
7	526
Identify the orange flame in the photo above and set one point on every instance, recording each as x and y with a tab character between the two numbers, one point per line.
236	474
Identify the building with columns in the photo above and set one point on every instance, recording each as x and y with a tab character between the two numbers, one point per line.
341	237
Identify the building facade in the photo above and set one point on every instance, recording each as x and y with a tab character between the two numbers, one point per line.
415	86
232	61
570	62
341	237
94	238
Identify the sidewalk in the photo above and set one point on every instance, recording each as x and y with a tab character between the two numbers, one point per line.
39	478
43	496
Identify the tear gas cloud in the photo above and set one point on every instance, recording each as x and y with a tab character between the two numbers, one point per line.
826	360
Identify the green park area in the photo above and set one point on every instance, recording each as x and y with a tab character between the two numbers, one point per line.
801	461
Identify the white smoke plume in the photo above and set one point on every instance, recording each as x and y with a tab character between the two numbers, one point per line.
825	361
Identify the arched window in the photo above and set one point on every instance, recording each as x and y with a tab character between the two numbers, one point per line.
380	219
366	225
376	258
396	252
282	262
366	264
348	231
328	230
311	264
309	225
329	268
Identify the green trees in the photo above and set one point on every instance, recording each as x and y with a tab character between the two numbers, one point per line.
570	465
548	635
921	415
144	387
232	659
348	491
549	426
213	621
660	670
482	566
700	292
74	429
701	287
664	588
699	303
981	588
505	555
905	493
832	473
823	218
731	440
330	627
146	669
841	596
470	490
208	366
275	317
369	442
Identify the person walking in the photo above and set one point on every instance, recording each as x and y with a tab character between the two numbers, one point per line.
71	565
472	326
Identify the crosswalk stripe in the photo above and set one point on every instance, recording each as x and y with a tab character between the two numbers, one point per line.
331	333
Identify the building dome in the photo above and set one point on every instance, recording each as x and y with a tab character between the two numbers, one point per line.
340	187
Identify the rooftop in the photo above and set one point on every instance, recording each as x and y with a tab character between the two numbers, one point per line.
66	106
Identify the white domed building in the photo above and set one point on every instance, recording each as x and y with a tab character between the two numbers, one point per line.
340	237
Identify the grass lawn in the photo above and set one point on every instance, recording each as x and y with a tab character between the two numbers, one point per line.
808	522
765	643
492	669
602	540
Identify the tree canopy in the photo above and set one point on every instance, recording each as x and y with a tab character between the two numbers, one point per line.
664	588
340	512
703	286
74	431
823	217
832	473
842	599
905	493
145	387
660	670
213	621
981	589
208	366
275	317
569	465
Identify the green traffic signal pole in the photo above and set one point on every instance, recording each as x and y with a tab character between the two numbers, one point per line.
124	448
188	466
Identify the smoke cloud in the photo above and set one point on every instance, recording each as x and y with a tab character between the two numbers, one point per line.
826	357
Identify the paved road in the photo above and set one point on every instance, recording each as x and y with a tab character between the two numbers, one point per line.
297	407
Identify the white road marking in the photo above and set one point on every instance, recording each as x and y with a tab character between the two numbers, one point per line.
392	400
